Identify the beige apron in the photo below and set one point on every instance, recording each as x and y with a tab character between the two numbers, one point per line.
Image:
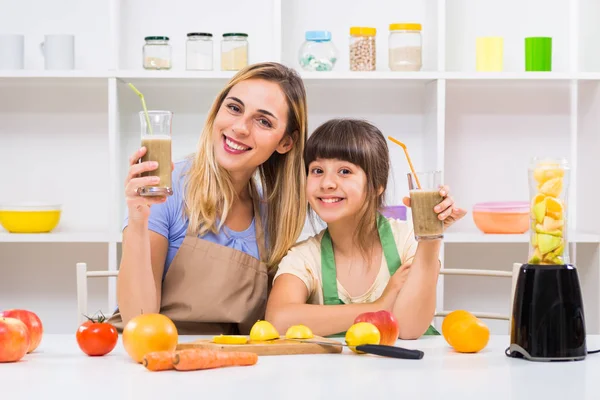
212	289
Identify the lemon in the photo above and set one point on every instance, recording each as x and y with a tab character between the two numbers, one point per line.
362	333
262	331
230	339
299	332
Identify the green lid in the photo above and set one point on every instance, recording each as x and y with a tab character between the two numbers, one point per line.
156	38
235	34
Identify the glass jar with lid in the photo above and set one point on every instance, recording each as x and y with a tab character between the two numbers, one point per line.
234	51
157	52
363	49
404	47
317	53
199	52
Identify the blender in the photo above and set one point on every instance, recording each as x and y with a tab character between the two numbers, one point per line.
547	322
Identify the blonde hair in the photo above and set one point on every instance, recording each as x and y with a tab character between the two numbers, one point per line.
210	192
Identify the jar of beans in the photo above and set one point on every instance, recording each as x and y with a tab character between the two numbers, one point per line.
363	55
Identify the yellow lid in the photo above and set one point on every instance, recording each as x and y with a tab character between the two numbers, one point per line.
362	31
405	27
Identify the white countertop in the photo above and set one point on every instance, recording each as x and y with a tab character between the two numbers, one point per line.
59	369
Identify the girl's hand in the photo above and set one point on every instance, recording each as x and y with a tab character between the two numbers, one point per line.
139	207
390	293
446	210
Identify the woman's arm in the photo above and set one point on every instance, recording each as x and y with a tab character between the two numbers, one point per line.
415	305
287	306
140	274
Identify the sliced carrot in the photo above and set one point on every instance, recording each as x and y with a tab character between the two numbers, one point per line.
159	360
194	359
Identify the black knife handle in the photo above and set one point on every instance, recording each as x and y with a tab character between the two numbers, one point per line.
390	351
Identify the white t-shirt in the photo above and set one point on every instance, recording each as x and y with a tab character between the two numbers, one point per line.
304	261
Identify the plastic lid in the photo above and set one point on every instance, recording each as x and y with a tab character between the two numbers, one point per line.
362	31
397	212
503	207
318	36
156	38
405	26
199	34
228	34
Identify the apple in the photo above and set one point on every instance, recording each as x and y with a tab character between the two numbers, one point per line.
14	339
385	322
33	323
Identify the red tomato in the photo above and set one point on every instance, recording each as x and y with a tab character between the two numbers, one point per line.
97	338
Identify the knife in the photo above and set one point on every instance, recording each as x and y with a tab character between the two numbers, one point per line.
377	349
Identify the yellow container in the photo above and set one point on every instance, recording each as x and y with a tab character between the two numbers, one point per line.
490	54
30	218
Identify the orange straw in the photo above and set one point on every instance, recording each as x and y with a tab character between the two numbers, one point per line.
408	159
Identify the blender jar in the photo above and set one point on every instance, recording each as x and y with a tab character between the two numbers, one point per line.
548	188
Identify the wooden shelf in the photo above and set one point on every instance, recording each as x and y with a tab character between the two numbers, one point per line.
475	237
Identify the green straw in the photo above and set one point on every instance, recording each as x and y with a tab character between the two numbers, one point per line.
143	103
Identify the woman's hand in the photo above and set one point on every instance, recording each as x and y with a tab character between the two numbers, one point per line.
139	207
446	210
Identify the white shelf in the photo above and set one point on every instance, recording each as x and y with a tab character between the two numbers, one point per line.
475	237
54	74
307	76
55	237
147	74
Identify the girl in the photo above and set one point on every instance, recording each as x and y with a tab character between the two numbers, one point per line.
202	257
363	261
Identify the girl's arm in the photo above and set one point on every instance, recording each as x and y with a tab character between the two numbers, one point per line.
287	306
415	305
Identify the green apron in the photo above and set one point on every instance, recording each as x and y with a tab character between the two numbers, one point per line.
329	274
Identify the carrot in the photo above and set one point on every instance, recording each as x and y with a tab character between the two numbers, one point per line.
158	360
194	359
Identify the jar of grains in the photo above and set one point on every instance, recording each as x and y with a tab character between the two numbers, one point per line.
405	47
157	52
362	48
234	51
199	51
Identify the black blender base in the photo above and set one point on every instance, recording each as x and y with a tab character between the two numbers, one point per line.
547	321
516	351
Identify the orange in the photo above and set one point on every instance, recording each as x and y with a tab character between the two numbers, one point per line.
466	333
451	318
147	333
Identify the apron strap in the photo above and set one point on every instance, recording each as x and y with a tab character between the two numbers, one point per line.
260	233
328	272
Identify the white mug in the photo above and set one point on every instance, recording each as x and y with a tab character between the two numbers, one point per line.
58	51
12	53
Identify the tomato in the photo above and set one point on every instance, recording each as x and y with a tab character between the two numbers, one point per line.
96	337
147	333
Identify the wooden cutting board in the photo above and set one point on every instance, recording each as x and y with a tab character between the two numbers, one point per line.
269	348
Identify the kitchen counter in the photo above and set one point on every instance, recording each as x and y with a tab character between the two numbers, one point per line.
58	369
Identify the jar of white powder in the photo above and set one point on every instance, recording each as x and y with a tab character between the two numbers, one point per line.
404	47
199	51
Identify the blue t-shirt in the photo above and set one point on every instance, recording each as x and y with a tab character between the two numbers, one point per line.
168	220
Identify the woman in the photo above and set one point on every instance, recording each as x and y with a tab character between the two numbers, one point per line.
204	257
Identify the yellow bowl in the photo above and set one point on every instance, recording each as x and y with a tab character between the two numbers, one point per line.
30	218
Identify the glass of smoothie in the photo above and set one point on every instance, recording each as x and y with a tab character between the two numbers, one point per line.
156	137
426	223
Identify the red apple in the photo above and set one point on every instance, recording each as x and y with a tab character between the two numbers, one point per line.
14	339
385	322
33	323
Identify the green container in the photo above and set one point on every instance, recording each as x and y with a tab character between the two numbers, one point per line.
538	54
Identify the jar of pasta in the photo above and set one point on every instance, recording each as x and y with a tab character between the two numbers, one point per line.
405	47
234	51
363	54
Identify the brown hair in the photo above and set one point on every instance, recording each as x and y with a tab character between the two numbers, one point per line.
210	192
362	144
